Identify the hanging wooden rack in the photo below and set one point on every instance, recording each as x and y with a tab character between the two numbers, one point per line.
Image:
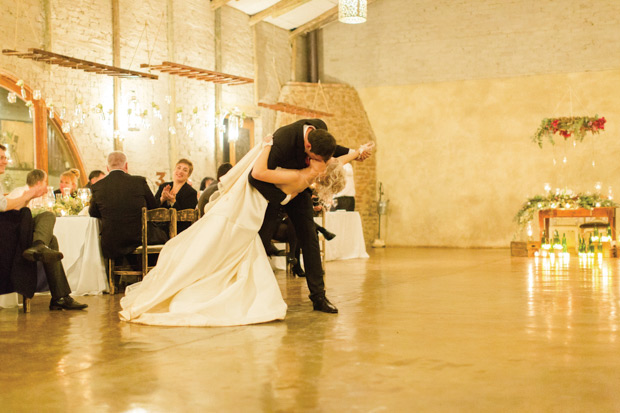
178	69
296	110
73	63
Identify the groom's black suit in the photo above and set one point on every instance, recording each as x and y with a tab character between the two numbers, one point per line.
288	151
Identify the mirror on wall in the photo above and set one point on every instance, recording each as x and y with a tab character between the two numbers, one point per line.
234	150
17	134
59	156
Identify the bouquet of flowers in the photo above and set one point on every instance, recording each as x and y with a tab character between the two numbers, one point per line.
567	127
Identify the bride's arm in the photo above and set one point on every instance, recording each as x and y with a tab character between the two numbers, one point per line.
356	153
261	172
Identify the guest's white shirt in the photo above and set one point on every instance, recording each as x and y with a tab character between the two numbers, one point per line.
349	187
17	192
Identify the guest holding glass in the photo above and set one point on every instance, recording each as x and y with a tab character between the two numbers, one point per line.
69	183
178	193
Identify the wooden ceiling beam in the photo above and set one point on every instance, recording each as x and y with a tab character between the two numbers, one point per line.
316	23
278	9
216	4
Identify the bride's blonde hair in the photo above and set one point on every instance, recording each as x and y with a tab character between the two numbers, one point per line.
330	182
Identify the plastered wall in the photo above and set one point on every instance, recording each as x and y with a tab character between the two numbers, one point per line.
455	89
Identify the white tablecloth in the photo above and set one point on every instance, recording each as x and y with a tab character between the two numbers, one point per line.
349	242
78	238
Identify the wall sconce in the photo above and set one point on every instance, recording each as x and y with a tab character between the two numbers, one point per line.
133	113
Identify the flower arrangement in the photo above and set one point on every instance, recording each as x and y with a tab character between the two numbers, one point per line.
67	206
567	127
561	200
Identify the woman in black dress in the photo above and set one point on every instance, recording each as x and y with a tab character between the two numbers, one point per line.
178	193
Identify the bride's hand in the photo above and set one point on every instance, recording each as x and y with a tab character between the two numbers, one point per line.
268	140
365	151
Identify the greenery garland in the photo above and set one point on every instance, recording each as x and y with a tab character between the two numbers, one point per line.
567	127
564	201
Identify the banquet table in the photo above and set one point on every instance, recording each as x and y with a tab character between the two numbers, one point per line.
349	242
78	238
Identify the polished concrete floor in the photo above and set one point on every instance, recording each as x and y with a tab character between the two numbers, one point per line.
418	330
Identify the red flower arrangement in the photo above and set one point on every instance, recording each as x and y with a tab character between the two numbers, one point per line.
567	127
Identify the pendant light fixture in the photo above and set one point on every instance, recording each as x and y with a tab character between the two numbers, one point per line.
352	11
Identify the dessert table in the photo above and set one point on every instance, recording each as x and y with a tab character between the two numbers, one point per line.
606	212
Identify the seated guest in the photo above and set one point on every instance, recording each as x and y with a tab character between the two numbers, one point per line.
178	193
94	176
69	182
35	178
345	199
204	197
118	200
206	182
44	246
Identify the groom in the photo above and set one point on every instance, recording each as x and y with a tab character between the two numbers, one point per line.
293	147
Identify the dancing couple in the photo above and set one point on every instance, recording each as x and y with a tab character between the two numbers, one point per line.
217	273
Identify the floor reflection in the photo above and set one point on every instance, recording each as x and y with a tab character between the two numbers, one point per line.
566	293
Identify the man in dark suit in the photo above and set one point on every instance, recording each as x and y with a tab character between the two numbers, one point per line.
293	146
118	200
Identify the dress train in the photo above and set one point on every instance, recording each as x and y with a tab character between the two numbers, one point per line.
216	272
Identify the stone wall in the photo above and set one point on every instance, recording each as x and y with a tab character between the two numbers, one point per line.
351	128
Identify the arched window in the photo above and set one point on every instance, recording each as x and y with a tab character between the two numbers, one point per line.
32	138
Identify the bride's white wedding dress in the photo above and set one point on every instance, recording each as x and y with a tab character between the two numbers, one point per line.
216	272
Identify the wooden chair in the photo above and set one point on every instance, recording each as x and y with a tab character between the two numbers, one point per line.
187	215
153	215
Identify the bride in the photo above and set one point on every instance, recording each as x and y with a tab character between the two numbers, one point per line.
216	272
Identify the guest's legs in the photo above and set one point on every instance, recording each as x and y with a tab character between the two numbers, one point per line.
44	228
55	273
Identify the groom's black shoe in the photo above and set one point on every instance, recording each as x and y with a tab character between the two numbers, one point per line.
66	303
323	304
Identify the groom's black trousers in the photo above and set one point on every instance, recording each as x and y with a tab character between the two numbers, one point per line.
301	214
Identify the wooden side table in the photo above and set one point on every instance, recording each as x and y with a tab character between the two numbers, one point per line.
608	212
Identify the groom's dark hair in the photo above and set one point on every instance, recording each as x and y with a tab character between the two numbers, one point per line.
322	143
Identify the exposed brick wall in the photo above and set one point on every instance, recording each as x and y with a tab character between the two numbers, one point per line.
83	29
351	128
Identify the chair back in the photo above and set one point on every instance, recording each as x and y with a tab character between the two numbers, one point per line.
188	215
